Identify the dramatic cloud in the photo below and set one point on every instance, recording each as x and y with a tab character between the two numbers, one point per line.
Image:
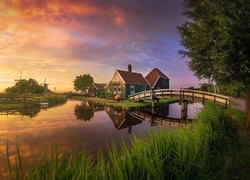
60	39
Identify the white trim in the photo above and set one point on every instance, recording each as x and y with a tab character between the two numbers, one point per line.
120	76
155	82
95	86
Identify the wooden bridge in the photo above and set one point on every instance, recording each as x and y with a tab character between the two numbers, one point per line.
154	120
182	94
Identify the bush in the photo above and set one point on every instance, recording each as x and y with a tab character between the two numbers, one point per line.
53	99
101	93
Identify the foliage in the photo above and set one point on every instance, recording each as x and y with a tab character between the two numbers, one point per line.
83	82
53	99
101	93
217	40
25	86
234	89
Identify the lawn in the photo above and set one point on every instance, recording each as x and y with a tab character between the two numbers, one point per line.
125	103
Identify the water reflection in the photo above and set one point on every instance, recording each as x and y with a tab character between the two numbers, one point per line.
71	126
122	119
23	112
85	111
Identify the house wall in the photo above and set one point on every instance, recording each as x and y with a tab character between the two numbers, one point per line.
117	83
162	83
137	88
115	86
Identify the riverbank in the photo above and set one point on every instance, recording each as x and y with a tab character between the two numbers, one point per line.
29	101
123	104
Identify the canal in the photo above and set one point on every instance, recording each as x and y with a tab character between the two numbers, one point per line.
78	125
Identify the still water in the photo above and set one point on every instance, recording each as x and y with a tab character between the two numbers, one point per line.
75	125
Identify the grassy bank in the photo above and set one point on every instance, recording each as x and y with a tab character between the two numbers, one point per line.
205	149
125	103
16	106
53	99
27	101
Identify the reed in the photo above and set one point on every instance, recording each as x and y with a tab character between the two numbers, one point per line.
53	99
191	152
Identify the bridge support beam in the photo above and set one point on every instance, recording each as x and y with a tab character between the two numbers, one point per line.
155	103
184	109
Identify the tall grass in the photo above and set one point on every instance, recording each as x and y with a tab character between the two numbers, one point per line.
53	99
191	152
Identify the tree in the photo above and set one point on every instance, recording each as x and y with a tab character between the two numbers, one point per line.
83	82
216	37
26	86
101	93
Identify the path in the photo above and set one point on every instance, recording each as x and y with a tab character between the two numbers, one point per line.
239	103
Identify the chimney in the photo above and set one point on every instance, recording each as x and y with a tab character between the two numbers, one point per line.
130	68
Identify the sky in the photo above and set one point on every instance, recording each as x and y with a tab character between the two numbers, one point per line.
58	40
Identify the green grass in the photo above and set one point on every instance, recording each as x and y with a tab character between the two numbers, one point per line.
205	149
16	106
237	115
124	103
51	98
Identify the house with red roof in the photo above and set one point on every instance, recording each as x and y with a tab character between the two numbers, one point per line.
157	79
125	83
95	87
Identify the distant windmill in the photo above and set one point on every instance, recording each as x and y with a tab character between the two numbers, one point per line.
45	85
20	77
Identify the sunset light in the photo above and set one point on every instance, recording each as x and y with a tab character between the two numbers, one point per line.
61	39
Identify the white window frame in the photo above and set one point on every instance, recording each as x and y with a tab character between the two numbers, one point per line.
132	89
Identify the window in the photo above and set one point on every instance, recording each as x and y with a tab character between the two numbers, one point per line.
119	90
114	90
132	89
116	79
165	82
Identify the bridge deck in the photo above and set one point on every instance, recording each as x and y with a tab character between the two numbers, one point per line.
192	95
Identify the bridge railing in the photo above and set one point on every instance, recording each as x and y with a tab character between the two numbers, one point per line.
180	94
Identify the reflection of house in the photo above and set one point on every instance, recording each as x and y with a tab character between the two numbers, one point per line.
125	83
157	79
95	87
121	118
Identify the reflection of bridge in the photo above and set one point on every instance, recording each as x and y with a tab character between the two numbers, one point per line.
155	119
180	94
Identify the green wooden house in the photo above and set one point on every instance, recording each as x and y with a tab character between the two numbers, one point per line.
125	83
157	79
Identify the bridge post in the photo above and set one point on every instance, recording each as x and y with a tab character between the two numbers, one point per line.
184	109
153	116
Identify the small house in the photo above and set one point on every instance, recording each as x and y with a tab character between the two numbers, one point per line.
125	83
95	87
157	79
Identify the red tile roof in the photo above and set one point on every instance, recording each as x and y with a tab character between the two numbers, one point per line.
99	85
154	75
132	78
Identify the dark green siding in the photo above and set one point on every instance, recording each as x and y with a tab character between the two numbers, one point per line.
138	88
161	84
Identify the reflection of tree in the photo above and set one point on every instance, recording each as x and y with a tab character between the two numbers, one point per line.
83	112
30	112
24	112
